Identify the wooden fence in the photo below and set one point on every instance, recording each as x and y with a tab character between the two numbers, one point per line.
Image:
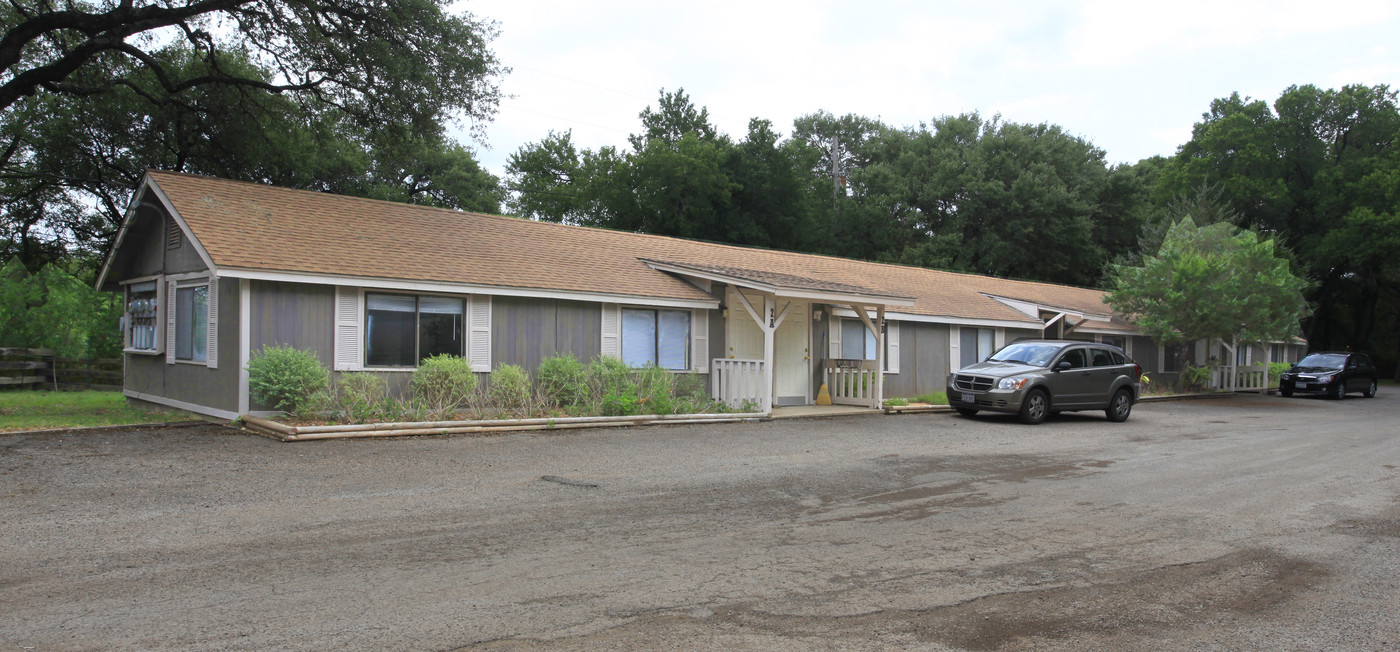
43	369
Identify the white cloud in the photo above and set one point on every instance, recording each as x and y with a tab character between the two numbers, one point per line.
1126	75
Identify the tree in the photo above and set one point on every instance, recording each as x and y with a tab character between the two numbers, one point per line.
62	155
1210	282
1303	169
374	60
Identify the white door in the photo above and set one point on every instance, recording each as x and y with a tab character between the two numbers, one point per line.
744	337
792	374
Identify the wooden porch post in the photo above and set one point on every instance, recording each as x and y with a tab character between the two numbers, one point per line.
879	357
768	324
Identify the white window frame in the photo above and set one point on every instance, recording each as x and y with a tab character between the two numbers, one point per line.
351	337
158	346
173	284
697	355
835	337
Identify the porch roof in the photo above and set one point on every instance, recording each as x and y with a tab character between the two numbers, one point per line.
784	285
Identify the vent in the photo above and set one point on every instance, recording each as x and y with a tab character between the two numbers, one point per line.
173	236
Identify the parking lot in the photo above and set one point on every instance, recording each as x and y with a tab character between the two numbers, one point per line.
1250	522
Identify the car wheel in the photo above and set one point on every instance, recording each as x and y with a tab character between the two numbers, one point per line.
1339	390
1371	389
967	412
1120	407
1285	393
1035	408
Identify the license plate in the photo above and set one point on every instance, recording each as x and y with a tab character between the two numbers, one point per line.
968	398
1302	385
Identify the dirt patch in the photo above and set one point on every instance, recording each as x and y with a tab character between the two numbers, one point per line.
1122	611
1386	525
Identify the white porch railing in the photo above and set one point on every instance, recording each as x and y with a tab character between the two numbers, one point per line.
1246	378
735	381
852	385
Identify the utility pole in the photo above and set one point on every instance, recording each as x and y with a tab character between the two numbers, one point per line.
835	167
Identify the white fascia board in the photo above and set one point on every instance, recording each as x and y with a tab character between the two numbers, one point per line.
937	319
463	288
1032	309
189	235
121	232
791	293
188	407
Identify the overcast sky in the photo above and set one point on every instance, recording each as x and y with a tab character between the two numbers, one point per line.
1132	77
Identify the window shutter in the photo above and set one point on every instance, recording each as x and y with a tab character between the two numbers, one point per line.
211	357
700	340
170	322
347	328
891	347
479	339
612	330
833	336
954	348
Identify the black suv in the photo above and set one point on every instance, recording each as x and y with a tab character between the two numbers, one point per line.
1332	373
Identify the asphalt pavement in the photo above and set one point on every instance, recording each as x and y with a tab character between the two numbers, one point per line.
1248	523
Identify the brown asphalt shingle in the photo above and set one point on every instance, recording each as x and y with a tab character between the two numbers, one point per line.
266	228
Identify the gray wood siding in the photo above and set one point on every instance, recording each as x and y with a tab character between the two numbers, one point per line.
525	331
923	360
193	382
1013	334
298	315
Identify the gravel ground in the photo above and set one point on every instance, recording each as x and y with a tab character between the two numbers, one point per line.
1250	523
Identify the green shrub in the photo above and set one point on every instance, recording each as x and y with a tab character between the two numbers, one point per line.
287	379
608	375
933	398
442	383
1276	370
510	388
563	380
1194	378
654	387
621	405
360	396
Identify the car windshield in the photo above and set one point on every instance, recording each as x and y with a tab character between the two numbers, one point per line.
1027	353
1324	361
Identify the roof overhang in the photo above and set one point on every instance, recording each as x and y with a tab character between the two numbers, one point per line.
448	287
1035	309
861	297
147	183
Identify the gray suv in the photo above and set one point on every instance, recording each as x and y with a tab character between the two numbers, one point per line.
1037	378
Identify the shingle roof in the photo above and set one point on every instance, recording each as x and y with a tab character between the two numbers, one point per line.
257	227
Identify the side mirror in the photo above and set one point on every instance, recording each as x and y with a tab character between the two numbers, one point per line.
1063	365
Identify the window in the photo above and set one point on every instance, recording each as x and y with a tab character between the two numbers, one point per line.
1115	340
1277	353
1076	358
656	337
192	323
858	343
142	316
975	345
401	330
1102	358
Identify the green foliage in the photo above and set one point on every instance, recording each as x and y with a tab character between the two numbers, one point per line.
1210	282
896	402
510	388
373	123
625	403
1320	169
442	383
28	410
1194	378
608	375
360	397
285	378
933	398
563	380
54	310
1276	370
